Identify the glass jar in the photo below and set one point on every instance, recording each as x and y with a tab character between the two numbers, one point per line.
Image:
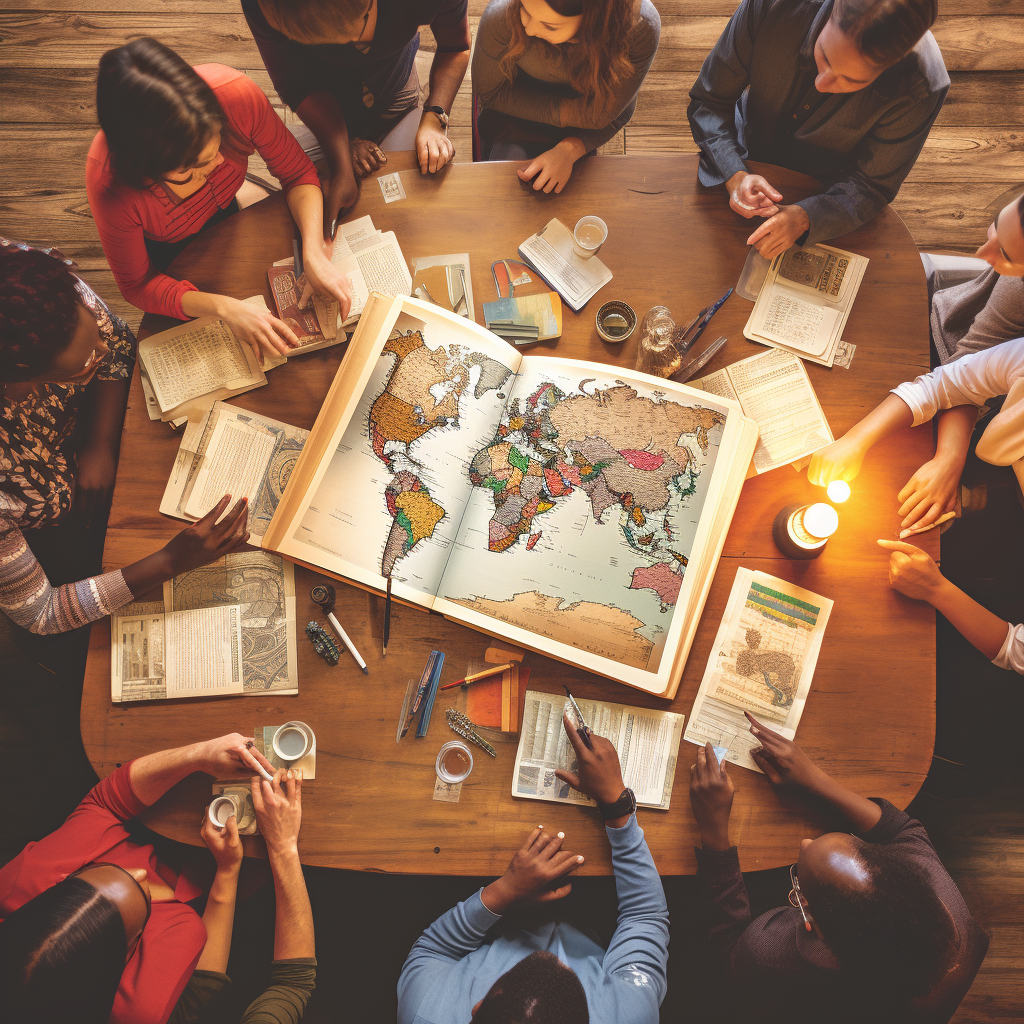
656	351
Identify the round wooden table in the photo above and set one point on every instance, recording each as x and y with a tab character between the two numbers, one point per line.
870	715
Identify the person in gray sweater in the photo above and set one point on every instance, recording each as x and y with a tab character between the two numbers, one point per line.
556	79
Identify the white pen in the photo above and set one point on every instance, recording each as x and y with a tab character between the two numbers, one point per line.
348	643
263	771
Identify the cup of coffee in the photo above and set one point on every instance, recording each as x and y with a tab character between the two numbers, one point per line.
454	762
293	741
221	808
588	236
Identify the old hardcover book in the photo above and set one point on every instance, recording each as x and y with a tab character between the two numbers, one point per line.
573	508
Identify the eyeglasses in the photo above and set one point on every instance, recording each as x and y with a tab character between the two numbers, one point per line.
95	357
796	896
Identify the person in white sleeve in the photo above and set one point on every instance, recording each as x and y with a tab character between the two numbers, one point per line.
962	386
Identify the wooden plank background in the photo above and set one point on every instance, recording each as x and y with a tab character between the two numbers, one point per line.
971	164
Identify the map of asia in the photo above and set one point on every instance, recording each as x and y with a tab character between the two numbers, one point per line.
541	496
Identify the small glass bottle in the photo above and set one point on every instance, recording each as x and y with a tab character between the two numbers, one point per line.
656	352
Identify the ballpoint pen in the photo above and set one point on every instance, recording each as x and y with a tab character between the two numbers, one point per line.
584	729
691	366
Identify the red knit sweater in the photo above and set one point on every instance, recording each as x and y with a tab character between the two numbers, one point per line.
125	216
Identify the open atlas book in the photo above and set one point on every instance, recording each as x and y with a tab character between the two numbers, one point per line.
574	508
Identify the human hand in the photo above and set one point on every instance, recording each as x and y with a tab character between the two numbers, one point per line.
94	481
341	190
366	156
278	806
930	493
532	876
321	276
779	232
207	539
782	760
257	327
551	170
912	571
750	195
840	460
433	147
223	843
600	775
224	756
711	794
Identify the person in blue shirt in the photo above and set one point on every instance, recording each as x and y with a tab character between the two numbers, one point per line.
467	966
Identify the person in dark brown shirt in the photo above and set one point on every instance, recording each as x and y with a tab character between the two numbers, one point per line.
875	929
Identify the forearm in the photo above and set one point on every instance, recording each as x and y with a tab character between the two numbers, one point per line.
218	918
306	203
293	923
322	114
954	434
447	70
153	774
978	625
108	402
888	417
149	572
197	304
858	810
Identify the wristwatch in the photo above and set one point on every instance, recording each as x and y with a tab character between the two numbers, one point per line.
442	115
626	804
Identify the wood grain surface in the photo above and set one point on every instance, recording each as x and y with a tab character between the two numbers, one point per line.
870	715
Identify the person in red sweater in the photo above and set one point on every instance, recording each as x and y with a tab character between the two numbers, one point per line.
170	160
114	937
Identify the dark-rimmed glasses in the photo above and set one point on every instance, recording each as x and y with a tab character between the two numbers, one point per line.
796	896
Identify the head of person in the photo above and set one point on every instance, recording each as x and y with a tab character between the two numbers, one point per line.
878	913
47	334
319	21
162	122
62	953
864	37
1004	249
540	989
590	37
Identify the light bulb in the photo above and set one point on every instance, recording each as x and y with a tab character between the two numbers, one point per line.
821	520
838	491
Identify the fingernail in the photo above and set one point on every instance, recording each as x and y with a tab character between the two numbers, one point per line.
579	860
290	776
561	835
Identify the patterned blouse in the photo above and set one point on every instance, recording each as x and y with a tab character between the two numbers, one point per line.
37	484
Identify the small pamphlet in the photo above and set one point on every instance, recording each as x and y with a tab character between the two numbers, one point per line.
445	281
774	389
646	741
762	661
391	186
550	253
805	301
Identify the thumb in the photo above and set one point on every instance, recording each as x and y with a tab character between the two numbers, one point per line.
231	828
573	780
307	292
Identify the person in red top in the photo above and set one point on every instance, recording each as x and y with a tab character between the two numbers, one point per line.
162	938
170	160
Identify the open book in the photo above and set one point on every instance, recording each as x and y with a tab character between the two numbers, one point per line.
774	389
575	508
550	253
805	301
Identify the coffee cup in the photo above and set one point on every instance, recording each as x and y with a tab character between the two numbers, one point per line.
588	236
454	762
221	808
293	741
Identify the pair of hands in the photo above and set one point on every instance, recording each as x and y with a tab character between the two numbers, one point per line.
751	195
540	869
711	789
278	804
928	494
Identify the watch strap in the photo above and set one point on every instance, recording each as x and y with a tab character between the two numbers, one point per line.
440	111
626	804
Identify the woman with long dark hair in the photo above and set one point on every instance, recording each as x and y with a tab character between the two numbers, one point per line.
555	79
170	160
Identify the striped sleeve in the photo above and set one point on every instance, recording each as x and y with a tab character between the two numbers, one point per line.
27	597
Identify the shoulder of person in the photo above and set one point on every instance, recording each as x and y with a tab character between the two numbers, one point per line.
11	511
647	27
220	78
921	75
494	20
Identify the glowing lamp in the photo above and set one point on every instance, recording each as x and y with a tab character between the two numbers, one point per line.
838	491
802	531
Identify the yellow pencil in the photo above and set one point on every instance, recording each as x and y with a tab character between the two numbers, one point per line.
478	675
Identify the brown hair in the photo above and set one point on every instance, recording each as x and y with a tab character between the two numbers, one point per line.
156	112
600	62
885	31
310	21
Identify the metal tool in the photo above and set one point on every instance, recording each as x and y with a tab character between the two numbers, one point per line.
584	729
686	340
460	723
691	366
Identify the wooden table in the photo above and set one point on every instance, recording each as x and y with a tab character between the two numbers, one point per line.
870	715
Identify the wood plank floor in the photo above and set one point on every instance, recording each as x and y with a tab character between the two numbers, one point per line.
971	165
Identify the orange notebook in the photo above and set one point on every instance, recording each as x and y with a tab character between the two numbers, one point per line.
497	703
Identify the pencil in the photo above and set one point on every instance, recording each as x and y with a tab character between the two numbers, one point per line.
387	620
478	675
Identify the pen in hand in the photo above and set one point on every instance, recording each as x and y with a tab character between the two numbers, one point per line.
584	729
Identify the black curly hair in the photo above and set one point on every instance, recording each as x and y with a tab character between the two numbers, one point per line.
540	989
38	312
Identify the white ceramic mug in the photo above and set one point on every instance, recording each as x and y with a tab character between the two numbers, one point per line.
221	808
293	741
